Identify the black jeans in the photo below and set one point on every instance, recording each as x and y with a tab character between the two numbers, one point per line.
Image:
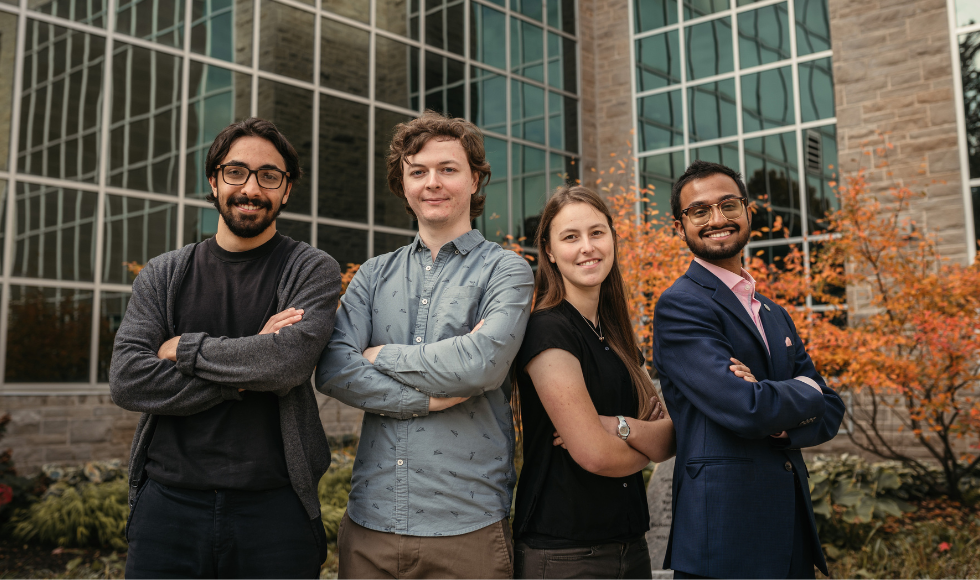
612	560
186	533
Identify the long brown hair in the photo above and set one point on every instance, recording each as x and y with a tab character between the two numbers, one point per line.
614	305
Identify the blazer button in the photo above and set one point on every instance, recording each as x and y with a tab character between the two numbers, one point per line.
788	466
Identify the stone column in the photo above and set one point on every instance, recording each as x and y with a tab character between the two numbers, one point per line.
659	498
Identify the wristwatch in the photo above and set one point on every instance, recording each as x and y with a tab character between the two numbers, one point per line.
624	428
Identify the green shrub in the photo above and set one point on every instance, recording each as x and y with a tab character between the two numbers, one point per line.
333	490
89	514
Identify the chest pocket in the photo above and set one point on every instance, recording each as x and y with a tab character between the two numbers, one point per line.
456	313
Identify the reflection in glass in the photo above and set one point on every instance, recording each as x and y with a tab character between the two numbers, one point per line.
530	8
773	183
397	16
763	35
970	67
346	245
297	230
812	26
61	101
487	35
8	45
658	61
343	183
709	48
561	171
767	99
698	8
3	219
217	97
293	58
526	49
562	123
561	62
55	233
397	69
90	12
200	223
360	11
487	109
344	54
975	193
156	20
775	257
713	113
820	162
291	109
651	14
444	24
816	89
967	12
135	231
111	312
659	120
493	222
389	210
143	136
49	331
725	154
529	186
385	242
445	86
222	29
658	173
561	15
527	111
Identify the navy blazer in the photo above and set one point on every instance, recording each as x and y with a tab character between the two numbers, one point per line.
733	488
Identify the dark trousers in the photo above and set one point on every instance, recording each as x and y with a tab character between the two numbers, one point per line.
186	533
611	560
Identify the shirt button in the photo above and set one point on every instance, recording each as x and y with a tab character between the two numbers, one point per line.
418	339
400	462
456	252
788	466
427	268
424	301
624	485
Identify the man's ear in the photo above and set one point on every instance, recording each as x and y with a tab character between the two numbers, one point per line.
213	180
476	182
289	188
679	230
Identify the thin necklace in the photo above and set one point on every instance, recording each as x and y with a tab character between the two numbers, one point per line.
593	328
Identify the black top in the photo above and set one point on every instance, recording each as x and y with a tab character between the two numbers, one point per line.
235	444
559	504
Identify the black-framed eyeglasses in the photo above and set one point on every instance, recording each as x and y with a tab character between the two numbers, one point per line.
731	209
267	177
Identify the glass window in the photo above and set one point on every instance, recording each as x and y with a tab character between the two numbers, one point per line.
967	12
135	231
709	48
398	16
561	171
527	111
526	49
487	34
143	138
445	86
61	102
347	246
217	97
360	11
157	20
385	242
444	24
222	29
975	193
561	15
91	12
712	110
397	70
294	58
562	123
763	35
698	8
291	109
725	154
111	313
3	219
812	26
659	117
772	180
297	230
8	46
561	62
767	99
200	223
529	188
658	173
487	109
389	210
493	222
55	233
651	14
816	89
343	183
970	61
530	8
49	331
820	163
344	52
658	61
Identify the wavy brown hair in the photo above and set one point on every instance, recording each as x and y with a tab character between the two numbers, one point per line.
614	305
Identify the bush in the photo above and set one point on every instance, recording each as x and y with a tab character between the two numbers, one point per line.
16	492
89	514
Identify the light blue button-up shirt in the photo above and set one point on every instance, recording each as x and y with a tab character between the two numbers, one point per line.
448	472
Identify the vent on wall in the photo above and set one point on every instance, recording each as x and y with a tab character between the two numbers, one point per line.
814	152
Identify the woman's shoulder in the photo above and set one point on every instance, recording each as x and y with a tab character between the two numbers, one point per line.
545	319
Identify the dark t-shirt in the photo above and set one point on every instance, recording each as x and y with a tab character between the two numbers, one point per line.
560	504
235	444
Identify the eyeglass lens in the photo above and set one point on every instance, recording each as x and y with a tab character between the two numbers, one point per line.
237	175
731	209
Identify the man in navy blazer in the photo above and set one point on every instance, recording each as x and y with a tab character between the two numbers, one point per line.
741	502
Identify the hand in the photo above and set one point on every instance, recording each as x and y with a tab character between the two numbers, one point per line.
371	354
742	371
443	403
558	441
168	350
477	327
780	435
277	322
657	412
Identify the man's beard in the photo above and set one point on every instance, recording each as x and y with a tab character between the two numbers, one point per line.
247	226
697	246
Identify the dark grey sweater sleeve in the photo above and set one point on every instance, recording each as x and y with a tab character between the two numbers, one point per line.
138	380
273	362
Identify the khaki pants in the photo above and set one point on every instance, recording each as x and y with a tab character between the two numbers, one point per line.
485	553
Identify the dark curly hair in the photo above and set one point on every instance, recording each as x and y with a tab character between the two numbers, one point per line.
699	170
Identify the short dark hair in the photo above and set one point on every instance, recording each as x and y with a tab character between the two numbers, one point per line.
251	127
699	170
409	138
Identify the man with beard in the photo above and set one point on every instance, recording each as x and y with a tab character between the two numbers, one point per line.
741	503
217	349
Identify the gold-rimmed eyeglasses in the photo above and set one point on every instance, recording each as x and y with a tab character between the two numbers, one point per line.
731	209
266	177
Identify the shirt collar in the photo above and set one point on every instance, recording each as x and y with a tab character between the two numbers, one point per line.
463	243
728	277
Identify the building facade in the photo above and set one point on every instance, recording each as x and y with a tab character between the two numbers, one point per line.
108	107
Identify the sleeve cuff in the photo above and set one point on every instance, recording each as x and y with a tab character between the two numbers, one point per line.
415	403
387	359
806	380
187	349
230	393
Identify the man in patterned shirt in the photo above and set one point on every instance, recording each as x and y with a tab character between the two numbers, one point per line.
423	343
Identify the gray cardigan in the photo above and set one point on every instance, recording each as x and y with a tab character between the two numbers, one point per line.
210	370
